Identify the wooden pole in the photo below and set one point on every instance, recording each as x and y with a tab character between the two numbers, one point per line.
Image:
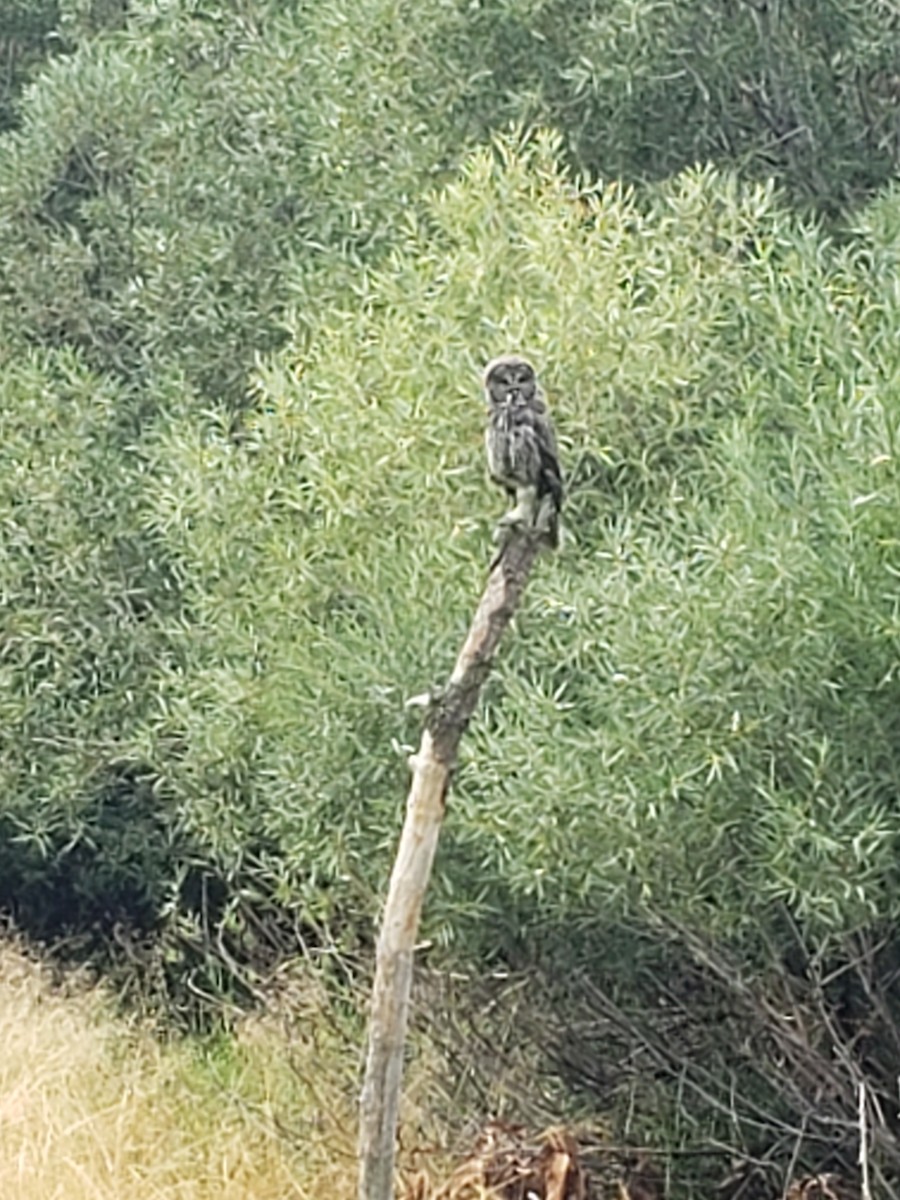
446	722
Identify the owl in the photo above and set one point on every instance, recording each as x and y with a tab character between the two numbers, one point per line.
521	446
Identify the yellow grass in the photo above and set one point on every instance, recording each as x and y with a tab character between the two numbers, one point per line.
93	1106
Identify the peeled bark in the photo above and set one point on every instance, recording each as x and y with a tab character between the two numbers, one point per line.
448	716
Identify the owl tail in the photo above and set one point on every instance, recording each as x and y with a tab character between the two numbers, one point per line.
548	522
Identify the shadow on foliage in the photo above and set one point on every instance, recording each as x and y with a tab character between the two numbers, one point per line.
800	92
134	896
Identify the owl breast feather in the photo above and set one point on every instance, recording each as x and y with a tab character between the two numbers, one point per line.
513	452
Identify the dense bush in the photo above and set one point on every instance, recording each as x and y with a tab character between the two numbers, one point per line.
23	43
31	31
85	594
145	225
701	682
165	174
696	709
255	256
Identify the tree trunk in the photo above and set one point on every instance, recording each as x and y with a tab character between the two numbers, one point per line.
447	719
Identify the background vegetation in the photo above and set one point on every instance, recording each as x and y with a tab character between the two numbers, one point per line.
254	256
97	1106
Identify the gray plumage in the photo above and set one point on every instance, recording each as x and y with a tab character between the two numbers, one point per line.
521	445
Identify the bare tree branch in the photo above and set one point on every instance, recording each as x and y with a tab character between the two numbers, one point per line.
447	719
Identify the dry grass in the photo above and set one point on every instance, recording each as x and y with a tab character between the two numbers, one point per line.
94	1106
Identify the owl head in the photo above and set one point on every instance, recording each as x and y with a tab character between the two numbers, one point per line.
509	379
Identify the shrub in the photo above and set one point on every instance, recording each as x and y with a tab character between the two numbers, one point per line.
693	712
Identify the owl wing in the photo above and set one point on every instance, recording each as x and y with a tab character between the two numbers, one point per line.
551	472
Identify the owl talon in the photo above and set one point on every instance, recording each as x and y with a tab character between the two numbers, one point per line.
510	520
501	538
514	519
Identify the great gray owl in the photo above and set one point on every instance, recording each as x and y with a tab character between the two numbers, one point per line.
521	446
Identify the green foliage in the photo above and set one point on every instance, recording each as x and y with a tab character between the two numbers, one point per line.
255	255
695	710
33	30
242	479
803	92
166	173
117	243
25	27
84	595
